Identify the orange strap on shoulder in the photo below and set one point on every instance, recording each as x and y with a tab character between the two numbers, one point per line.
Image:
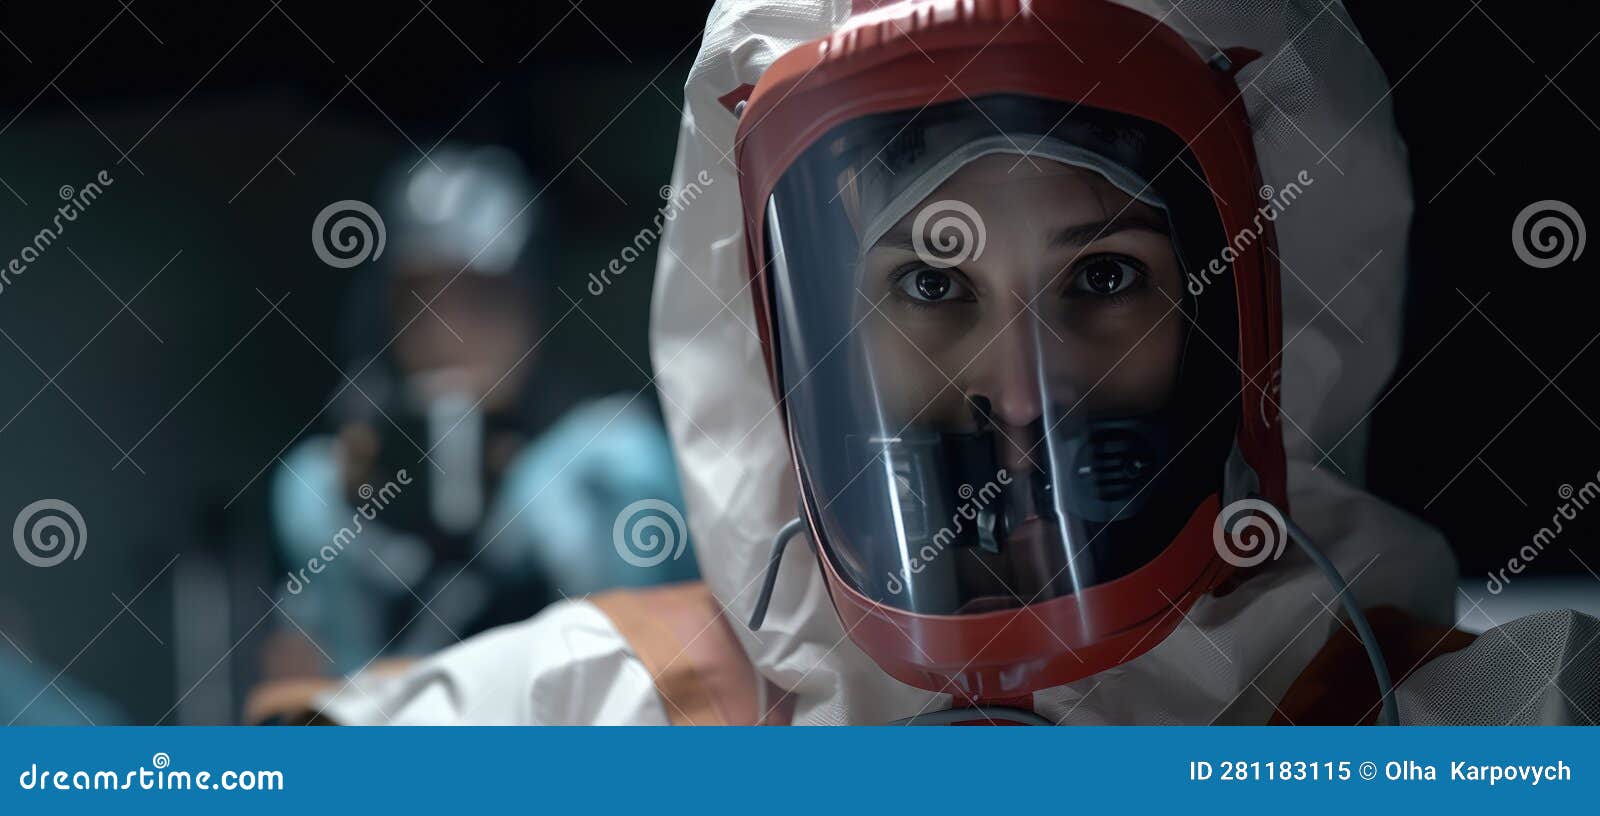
682	637
1337	688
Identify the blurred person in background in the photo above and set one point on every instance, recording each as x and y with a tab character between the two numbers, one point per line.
456	491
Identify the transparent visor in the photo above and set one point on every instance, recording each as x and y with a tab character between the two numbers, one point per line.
999	386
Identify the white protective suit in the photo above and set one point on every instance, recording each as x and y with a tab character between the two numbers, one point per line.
1315	89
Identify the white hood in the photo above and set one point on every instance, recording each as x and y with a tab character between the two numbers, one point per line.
1316	89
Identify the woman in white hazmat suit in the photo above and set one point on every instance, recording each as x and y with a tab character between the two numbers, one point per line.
1042	452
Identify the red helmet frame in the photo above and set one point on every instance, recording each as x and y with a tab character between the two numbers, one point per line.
909	55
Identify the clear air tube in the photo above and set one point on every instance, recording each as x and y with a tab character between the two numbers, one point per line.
1390	714
780	542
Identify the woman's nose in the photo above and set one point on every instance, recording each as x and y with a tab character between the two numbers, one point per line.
1005	382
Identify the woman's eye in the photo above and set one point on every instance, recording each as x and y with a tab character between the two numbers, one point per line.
931	286
1105	276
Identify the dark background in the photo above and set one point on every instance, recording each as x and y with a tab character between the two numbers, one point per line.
1497	409
228	126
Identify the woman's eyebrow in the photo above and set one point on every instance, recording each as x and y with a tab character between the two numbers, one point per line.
1087	233
897	238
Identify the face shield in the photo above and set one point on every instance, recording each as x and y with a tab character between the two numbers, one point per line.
1014	383
994	374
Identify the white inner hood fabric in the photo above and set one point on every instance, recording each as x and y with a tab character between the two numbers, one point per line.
906	195
1316	88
